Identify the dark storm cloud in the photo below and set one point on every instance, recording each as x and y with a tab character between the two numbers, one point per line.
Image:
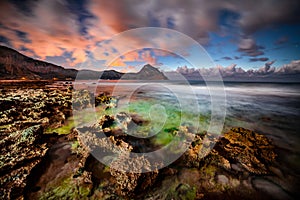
197	17
259	14
227	58
258	59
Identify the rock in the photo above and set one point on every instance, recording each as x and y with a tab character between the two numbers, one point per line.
124	171
222	179
128	123
29	110
234	182
190	176
123	121
20	152
106	121
34	165
184	192
250	150
59	175
274	190
276	171
138	120
237	156
106	100
82	99
237	167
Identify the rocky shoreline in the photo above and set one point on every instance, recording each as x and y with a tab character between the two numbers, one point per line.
38	164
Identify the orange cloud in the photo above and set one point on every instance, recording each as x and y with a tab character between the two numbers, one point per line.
52	31
145	56
117	63
148	58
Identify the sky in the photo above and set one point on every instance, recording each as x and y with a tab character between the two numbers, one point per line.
245	34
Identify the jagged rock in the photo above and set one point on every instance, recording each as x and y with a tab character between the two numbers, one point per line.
19	153
105	99
121	123
28	111
239	150
91	141
82	99
126	172
106	121
50	107
193	155
250	150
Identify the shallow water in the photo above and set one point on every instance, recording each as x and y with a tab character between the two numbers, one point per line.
272	109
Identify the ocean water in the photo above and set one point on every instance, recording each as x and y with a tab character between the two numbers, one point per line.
272	109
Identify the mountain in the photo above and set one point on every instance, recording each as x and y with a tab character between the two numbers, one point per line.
148	72
14	65
91	75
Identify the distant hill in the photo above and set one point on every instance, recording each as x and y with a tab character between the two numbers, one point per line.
14	65
93	75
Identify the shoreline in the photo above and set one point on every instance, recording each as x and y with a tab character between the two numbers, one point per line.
233	168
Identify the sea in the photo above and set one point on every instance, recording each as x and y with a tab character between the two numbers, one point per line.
271	109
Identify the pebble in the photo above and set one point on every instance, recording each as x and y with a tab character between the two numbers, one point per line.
222	179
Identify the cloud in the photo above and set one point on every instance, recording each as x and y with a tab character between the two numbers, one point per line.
147	56
291	68
281	40
227	58
270	63
249	47
267	69
202	16
263	59
234	73
258	14
50	28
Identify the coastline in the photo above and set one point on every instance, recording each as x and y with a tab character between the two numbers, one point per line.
225	171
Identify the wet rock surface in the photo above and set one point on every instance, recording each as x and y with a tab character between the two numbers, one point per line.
241	164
